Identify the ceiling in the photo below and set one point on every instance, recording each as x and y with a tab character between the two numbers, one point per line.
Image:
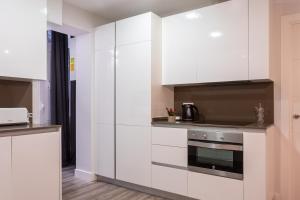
119	9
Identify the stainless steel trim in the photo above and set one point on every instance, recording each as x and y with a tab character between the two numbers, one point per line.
218	136
170	166
230	147
216	172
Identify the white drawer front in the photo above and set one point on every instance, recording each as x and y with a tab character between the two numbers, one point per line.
208	187
169	179
169	155
169	136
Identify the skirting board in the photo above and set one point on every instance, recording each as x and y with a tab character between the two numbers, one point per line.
84	175
143	189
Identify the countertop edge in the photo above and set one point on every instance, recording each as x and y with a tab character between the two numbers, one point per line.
8	131
189	126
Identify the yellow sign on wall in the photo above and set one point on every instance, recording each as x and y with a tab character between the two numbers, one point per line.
72	64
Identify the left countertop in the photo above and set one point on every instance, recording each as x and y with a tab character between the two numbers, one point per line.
17	130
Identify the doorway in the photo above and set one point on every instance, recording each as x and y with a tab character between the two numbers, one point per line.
58	92
290	80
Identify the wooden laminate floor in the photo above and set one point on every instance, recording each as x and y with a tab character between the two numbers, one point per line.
76	189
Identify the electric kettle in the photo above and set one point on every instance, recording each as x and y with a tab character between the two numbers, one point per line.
189	112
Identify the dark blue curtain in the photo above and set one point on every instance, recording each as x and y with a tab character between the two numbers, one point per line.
60	102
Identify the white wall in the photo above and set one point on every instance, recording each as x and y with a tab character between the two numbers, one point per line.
84	79
81	19
280	168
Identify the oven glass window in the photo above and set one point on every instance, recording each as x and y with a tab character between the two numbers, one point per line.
224	160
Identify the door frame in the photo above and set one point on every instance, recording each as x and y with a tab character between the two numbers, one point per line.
287	91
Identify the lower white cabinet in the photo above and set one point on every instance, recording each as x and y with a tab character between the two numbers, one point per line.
5	165
255	157
36	167
208	187
176	137
133	154
169	179
169	155
105	150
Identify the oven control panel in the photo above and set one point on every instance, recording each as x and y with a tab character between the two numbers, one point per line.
216	136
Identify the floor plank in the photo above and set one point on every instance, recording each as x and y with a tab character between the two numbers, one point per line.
76	189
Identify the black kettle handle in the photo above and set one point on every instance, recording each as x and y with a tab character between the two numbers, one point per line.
195	108
197	111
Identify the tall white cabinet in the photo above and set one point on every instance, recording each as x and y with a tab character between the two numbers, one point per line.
138	72
105	100
23	39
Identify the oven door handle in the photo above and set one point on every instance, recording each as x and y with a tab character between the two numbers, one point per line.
230	147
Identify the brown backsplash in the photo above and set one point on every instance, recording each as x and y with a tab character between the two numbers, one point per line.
230	103
15	94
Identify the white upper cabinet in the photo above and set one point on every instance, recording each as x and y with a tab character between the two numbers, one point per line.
54	11
259	26
134	29
206	45
23	39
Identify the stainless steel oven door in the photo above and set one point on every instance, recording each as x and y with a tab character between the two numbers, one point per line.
220	159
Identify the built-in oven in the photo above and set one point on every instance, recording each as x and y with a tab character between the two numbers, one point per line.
216	153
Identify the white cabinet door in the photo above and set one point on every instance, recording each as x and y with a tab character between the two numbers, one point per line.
133	84
105	37
259	41
169	155
105	150
176	137
5	169
133	160
23	39
105	99
169	179
255	172
208	187
104	87
36	166
206	45
134	29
